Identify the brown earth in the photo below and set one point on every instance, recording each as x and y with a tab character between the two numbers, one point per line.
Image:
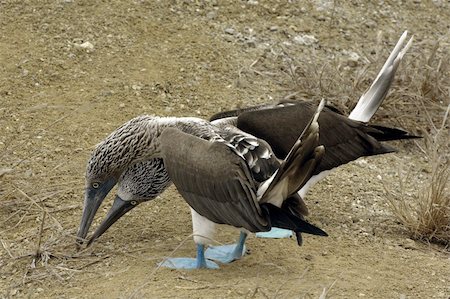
60	96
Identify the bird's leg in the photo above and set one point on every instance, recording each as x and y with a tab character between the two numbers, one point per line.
201	261
189	263
228	253
275	233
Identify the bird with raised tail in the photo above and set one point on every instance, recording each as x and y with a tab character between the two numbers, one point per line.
344	139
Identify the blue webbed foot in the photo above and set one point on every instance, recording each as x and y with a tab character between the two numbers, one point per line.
228	253
225	254
189	263
275	233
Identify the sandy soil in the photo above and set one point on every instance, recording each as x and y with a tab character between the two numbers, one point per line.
72	71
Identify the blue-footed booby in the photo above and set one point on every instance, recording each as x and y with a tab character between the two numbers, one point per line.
352	139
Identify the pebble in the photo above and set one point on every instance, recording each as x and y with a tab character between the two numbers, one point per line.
229	38
211	15
230	31
86	46
305	39
352	58
408	244
361	162
273	28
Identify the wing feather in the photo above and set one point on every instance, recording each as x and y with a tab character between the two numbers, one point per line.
214	180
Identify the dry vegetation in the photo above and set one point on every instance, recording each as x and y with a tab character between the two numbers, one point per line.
427	213
43	147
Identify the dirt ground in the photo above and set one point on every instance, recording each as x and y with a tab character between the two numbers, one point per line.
72	71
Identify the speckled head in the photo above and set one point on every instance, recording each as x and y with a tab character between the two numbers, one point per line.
135	141
141	182
130	143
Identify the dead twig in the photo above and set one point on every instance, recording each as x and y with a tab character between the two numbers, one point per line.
40	207
327	290
41	230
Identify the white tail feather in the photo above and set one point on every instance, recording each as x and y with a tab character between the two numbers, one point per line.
371	100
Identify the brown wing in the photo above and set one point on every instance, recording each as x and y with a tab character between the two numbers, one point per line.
213	180
344	139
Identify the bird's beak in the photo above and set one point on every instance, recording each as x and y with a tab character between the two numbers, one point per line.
92	201
119	208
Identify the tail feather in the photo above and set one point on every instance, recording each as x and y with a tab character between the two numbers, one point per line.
383	133
297	167
371	100
284	219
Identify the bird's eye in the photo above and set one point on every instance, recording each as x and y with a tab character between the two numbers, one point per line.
133	202
95	185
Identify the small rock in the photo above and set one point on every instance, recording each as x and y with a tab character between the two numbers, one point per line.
361	162
305	39
229	38
273	28
308	257
352	58
323	5
370	24
408	244
211	15
122	105
230	31
86	45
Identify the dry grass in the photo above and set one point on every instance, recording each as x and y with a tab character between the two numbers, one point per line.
425	100
422	79
427	213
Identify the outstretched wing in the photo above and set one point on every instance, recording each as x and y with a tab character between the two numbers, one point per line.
213	180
